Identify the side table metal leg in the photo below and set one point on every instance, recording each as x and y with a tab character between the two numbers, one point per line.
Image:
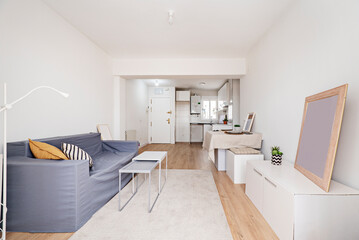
133	191
137	181
159	176
133	183
119	192
149	192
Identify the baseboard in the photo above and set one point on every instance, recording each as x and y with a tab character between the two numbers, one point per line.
145	144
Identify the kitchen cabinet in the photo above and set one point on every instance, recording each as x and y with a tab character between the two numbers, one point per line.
196	105
296	208
196	132
223	97
183	96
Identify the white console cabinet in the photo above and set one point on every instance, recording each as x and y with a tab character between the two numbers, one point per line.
298	209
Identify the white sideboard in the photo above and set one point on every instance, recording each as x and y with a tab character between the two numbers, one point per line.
298	209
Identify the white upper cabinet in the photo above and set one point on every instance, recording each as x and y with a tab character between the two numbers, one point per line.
223	96
183	96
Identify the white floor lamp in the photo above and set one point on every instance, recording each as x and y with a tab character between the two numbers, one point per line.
3	165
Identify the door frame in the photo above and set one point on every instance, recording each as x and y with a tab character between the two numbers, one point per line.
167	92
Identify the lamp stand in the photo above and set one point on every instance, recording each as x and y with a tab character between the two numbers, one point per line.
3	165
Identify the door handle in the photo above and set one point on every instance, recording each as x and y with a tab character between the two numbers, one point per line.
169	121
257	172
270	182
169	112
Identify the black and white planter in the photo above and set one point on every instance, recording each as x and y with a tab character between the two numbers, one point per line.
276	159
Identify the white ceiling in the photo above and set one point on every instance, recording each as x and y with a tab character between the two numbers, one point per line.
211	84
201	28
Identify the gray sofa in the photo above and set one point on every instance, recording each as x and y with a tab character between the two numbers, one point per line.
62	195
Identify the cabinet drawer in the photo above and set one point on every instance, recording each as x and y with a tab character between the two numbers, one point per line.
254	186
278	208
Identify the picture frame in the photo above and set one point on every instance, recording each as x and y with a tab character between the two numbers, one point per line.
247	127
319	135
104	129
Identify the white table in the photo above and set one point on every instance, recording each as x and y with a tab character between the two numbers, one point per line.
222	141
145	167
158	156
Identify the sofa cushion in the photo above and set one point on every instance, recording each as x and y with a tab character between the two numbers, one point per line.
46	151
73	152
108	161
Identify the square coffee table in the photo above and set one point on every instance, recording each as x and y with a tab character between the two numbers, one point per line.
158	156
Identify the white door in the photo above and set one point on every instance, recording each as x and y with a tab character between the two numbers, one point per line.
161	120
254	186
278	209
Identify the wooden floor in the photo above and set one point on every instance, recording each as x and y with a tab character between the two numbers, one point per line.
243	218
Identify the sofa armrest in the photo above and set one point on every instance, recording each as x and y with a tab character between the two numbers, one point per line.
120	146
46	195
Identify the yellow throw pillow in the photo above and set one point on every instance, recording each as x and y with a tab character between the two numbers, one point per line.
46	151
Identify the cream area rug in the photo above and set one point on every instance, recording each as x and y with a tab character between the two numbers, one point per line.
189	208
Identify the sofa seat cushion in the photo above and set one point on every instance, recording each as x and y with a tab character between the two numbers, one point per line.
109	161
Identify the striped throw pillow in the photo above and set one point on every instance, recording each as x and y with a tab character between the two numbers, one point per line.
75	153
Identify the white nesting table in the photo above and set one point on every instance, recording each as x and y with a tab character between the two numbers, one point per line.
145	167
158	156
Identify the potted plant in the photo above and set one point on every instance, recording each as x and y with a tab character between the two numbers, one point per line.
225	120
276	156
237	128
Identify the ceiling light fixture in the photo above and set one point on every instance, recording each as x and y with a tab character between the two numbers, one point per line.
170	16
156	83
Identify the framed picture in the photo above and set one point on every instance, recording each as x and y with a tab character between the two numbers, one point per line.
319	136
104	129
249	122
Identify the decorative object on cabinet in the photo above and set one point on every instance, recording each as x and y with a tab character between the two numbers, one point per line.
276	156
225	120
237	128
104	129
317	147
234	132
3	164
249	122
298	209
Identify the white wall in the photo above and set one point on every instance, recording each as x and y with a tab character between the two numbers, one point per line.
123	108
157	68
37	47
312	48
136	109
236	102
